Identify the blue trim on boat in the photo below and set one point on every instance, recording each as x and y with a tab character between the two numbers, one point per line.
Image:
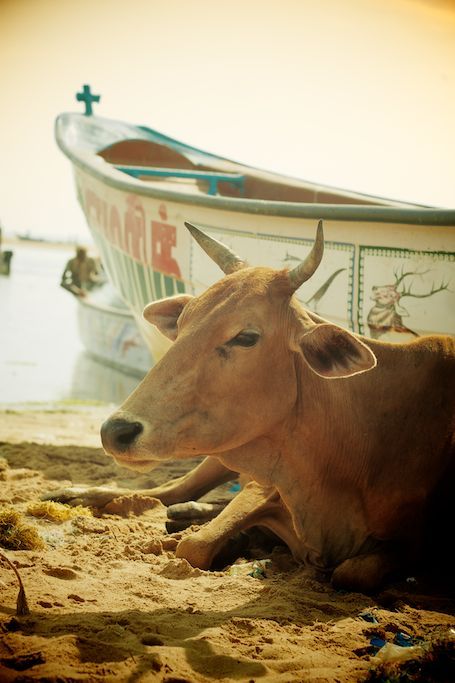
213	178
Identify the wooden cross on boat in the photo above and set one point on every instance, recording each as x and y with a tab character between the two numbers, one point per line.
87	97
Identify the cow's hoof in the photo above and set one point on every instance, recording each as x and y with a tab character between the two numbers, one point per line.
197	552
96	497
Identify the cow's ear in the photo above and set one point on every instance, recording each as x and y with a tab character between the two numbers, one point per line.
165	313
332	352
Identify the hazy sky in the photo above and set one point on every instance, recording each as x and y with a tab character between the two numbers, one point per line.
359	94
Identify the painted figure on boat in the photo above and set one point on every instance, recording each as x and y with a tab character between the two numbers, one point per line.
385	318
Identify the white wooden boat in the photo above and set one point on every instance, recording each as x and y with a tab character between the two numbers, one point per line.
110	334
388	270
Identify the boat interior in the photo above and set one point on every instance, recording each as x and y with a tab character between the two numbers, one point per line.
153	162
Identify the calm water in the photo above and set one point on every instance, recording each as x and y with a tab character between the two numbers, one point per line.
41	356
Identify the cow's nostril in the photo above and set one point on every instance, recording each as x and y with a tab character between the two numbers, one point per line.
120	434
128	433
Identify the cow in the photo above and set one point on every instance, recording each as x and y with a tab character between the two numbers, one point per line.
347	442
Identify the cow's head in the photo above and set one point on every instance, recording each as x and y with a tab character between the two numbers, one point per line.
231	374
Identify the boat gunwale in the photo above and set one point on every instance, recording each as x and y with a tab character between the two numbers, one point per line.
417	216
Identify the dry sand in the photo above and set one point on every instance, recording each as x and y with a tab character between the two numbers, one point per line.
110	602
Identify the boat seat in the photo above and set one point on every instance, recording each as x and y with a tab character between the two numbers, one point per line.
211	177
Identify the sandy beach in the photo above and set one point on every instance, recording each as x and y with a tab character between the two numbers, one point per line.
110	602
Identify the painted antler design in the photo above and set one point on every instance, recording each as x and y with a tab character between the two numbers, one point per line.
443	286
399	279
406	291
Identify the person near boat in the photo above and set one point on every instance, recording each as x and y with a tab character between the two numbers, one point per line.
81	273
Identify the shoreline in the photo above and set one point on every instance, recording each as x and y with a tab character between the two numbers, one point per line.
12	243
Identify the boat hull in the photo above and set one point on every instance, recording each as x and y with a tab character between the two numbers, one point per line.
111	336
388	272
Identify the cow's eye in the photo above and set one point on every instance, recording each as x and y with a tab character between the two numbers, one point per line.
244	338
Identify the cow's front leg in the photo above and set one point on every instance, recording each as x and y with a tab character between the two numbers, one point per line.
191	486
88	496
255	505
209	474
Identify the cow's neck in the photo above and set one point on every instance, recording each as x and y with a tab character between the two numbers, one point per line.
291	451
315	483
307	490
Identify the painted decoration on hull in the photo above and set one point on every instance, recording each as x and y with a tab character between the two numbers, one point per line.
404	294
329	293
387	293
114	340
138	248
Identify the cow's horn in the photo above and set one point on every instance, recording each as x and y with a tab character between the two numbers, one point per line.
305	270
218	252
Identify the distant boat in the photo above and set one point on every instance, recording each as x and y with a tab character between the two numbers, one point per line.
110	334
388	270
27	237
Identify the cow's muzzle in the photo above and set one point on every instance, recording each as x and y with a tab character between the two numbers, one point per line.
117	435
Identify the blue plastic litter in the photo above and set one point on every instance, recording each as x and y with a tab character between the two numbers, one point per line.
235	487
403	640
377	642
368	616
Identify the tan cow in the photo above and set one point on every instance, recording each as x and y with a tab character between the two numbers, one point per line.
347	441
